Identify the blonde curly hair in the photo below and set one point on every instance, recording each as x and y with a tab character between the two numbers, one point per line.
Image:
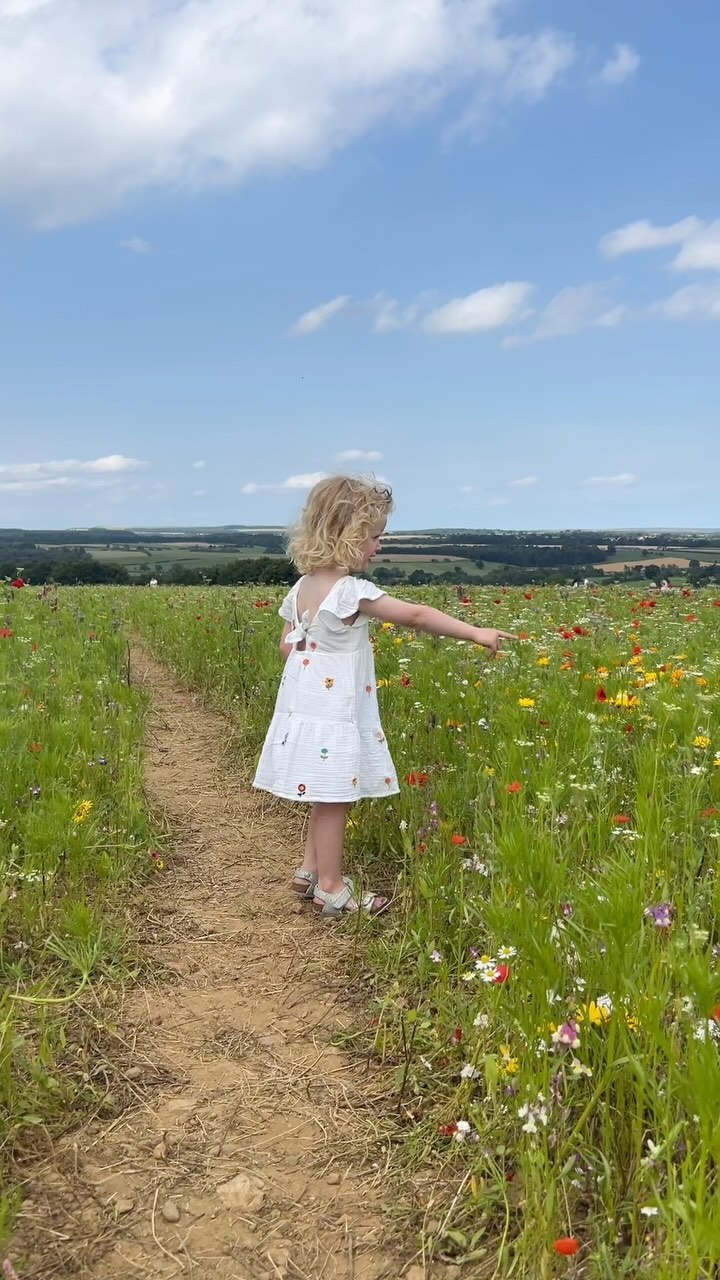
338	518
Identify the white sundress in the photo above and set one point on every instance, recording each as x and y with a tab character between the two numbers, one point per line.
325	743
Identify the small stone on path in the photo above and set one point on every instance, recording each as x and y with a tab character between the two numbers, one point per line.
170	1211
245	1192
124	1204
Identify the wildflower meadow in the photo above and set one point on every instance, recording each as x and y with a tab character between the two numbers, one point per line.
73	831
546	988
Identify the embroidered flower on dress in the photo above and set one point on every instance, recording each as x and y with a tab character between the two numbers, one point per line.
329	682
301	788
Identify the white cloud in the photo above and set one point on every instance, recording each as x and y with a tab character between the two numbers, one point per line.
639	236
135	244
491	308
34	477
523	483
359	455
623	64
316	319
390	316
109	100
199	465
701	250
619	481
572	310
694	302
305	481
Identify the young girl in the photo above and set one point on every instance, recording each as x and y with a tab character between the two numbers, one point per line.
325	745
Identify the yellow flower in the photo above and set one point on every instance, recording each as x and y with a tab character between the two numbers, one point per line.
624	700
596	1014
701	681
543	662
490	772
508	1064
526	702
82	812
383	684
399	640
387	626
651	677
602	671
701	741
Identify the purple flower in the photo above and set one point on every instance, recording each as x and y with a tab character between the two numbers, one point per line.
661	915
567	1034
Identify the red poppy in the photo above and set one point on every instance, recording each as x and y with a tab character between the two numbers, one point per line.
566	635
405	681
500	602
544	724
686	593
715	1013
447	1130
502	973
637	650
5	633
581	631
262	604
422	848
466	600
629	728
621	819
716	603
35	747
457	1035
514	787
17	583
601	695
691	617
458	840
648	604
709	813
527	595
416	779
567	1246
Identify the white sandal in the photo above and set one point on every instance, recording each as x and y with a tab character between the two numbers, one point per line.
345	903
304	884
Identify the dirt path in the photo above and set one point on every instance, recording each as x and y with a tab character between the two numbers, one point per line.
246	1124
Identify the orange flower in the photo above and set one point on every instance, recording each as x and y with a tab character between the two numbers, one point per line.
620	819
567	1246
514	787
458	840
35	747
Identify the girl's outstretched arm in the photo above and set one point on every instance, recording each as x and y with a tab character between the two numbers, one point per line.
420	617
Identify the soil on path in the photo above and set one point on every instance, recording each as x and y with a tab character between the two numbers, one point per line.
247	1126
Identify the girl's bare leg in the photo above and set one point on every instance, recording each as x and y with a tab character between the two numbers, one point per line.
309	862
328	833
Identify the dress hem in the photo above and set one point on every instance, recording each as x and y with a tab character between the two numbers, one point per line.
350	799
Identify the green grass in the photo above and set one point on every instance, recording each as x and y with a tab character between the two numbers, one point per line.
73	837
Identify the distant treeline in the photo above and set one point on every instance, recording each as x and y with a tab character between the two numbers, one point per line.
81	569
29	540
507	550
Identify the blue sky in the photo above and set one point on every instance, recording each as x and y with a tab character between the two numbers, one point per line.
242	239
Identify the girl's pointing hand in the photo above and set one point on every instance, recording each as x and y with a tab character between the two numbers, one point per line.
490	639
